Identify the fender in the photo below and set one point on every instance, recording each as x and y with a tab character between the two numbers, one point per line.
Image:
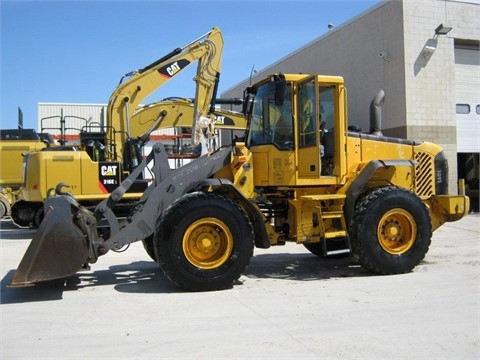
226	186
363	177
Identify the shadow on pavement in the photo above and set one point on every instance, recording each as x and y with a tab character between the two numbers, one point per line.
136	277
47	291
8	231
146	276
303	267
17	235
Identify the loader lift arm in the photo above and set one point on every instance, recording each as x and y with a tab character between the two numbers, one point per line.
68	225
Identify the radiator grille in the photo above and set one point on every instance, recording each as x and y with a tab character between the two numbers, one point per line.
424	175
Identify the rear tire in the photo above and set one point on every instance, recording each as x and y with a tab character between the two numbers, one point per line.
4	206
204	242
23	213
39	214
391	231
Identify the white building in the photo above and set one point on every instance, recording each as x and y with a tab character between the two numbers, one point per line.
431	76
64	121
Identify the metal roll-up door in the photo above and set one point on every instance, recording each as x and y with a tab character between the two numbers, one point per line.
467	91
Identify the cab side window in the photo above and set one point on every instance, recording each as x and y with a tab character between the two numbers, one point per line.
272	123
307	114
327	119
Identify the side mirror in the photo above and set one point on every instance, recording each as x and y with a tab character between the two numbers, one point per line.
247	105
280	89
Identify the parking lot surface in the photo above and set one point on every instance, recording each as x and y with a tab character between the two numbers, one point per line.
289	304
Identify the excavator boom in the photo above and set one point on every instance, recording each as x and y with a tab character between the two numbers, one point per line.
135	86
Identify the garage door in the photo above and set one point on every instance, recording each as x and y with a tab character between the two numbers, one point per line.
467	89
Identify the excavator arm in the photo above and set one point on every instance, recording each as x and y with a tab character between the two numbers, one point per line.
124	101
179	113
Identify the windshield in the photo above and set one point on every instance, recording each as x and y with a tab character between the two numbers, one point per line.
271	123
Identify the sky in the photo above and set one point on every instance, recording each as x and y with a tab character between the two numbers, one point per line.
77	51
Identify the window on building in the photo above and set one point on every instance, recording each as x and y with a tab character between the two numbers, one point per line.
477	109
463	109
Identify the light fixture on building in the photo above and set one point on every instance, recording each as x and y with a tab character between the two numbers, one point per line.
385	56
431	45
442	30
429	49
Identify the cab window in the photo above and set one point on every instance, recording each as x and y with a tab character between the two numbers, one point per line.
271	123
307	114
327	119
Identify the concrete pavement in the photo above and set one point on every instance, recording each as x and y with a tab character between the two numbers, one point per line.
289	304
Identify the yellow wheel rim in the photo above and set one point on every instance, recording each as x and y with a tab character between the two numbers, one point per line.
207	243
397	231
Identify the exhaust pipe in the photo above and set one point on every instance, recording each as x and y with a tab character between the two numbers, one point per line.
376	113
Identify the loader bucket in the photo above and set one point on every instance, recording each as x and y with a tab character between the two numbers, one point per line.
58	248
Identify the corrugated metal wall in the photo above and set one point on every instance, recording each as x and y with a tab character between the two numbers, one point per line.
75	116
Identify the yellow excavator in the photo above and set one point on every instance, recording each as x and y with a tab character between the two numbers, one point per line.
108	153
299	175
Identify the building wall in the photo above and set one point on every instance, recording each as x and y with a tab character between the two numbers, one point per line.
430	76
75	117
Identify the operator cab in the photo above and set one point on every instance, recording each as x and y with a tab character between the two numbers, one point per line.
292	124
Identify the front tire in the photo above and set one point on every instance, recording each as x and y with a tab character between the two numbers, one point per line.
149	247
391	231
204	242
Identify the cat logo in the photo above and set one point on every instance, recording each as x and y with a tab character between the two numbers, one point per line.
109	176
220	119
173	69
108	170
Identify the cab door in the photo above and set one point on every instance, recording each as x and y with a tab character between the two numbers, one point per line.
308	154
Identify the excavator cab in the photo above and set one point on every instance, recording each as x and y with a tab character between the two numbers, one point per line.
94	143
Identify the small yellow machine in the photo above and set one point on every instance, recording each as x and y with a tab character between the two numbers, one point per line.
299	176
14	144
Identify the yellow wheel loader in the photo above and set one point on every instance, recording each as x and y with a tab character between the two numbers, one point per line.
108	153
299	176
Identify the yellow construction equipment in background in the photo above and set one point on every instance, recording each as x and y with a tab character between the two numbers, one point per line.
14	144
108	153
